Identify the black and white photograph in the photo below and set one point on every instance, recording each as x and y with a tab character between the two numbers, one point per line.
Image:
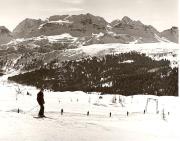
89	70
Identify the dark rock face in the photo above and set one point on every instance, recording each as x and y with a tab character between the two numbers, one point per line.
57	17
171	34
5	35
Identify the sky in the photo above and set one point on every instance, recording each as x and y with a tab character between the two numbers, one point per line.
162	14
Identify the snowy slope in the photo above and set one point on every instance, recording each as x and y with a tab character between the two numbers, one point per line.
157	51
42	49
50	39
75	125
79	128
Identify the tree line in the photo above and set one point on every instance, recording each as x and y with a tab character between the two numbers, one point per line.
126	74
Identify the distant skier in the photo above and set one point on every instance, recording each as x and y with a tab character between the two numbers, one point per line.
40	100
28	94
127	113
144	111
62	111
87	113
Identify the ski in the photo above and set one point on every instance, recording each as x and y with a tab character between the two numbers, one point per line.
43	117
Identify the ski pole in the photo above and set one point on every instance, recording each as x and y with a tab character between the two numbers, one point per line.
32	109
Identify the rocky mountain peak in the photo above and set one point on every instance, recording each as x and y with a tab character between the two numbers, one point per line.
4	30
171	34
174	29
126	20
5	35
28	23
26	28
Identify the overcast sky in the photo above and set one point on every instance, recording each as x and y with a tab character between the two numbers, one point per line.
161	14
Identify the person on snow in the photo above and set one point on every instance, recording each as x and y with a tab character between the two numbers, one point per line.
40	100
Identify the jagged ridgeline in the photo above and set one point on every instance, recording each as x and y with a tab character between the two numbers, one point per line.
125	74
86	29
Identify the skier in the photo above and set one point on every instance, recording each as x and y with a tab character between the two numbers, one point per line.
40	100
62	111
87	113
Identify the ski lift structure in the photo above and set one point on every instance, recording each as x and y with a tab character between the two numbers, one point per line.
150	102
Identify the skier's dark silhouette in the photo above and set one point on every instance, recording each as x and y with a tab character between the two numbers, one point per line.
40	100
87	113
144	111
127	113
28	93
62	111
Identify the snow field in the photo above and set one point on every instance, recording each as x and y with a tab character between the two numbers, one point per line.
75	125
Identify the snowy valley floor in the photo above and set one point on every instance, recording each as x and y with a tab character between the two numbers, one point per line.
75	125
72	127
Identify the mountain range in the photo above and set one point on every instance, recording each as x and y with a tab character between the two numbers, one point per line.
85	52
35	43
90	29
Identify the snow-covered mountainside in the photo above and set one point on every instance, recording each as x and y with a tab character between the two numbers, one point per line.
125	30
20	52
157	51
106	68
76	25
32	53
142	33
127	121
90	29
